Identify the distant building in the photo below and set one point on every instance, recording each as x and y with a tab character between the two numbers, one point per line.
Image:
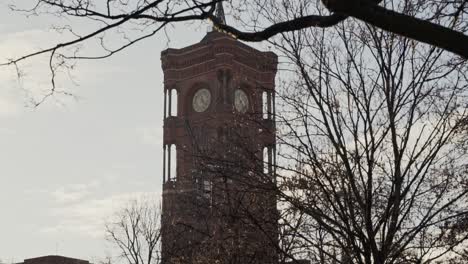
54	260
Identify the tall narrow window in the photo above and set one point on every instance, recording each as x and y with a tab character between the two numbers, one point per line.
169	102
164	163
173	102
273	108
268	104
265	105
170	163
165	105
265	160
173	162
269	159
274	159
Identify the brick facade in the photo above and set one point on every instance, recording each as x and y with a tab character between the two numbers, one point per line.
219	206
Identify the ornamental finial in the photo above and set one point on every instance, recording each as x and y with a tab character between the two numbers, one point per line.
219	13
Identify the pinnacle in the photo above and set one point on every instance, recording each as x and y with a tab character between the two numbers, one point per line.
219	13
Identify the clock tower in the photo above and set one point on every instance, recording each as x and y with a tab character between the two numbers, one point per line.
219	202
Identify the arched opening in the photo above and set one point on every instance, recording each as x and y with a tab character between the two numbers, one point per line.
269	160
173	102
173	164
266	158
165	115
273	107
164	159
265	105
170	163
273	154
268	105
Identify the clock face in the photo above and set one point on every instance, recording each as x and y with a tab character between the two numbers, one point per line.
201	100
241	101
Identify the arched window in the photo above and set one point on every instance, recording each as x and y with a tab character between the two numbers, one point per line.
170	163
173	102
165	115
164	159
265	105
269	160
268	105
173	159
170	102
265	160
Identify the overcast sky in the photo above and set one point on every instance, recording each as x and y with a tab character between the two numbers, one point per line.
65	166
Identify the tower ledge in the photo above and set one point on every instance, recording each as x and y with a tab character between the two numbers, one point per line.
214	50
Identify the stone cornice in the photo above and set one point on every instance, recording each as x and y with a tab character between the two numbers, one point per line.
212	50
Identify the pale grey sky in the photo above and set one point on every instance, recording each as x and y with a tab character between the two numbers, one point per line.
68	164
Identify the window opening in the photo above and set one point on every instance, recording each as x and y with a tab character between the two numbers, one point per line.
265	160
173	102
165	104
265	105
269	159
164	163
173	162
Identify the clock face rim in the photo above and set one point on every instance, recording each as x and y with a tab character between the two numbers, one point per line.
199	106
237	100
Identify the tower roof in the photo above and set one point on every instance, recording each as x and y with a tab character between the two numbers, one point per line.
54	259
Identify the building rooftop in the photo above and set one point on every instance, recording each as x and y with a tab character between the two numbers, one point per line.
54	259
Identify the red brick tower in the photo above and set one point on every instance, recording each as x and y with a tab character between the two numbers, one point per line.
219	204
